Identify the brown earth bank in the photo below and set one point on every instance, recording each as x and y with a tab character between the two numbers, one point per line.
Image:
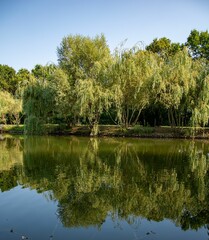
117	131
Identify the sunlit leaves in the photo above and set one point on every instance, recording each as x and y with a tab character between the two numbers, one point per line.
83	57
200	95
9	105
175	77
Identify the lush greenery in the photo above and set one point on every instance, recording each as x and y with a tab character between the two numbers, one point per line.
164	84
122	178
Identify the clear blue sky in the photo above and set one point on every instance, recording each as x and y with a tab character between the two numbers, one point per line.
31	30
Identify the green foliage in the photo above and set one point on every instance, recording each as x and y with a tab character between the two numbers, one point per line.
8	79
43	72
25	78
92	100
6	101
38	105
200	95
137	129
172	85
61	93
83	57
11	128
132	72
34	126
163	47
198	44
45	99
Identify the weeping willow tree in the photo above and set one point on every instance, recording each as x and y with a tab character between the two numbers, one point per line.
44	99
37	105
200	94
86	61
172	85
38	101
132	73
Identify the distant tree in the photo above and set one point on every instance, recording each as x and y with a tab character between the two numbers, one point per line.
163	47
24	79
198	44
8	79
41	72
23	76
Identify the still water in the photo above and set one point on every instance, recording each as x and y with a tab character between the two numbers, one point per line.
80	188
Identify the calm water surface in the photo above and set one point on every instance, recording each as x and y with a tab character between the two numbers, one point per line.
81	188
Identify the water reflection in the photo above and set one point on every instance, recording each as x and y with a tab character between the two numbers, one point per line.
11	162
119	178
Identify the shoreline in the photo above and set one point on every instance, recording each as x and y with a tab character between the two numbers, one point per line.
117	131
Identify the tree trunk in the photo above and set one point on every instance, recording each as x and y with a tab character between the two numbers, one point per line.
137	117
94	129
169	118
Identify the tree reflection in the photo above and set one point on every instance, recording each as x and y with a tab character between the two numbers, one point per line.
10	162
122	178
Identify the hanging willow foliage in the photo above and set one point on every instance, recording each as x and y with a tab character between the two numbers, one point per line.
46	99
173	83
132	72
92	100
200	97
86	61
38	105
62	95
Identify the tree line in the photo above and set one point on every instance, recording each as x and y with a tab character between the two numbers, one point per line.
164	83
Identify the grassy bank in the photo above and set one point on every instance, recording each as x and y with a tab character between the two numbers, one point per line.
13	129
117	131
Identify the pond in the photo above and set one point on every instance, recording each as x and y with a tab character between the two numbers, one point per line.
103	188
